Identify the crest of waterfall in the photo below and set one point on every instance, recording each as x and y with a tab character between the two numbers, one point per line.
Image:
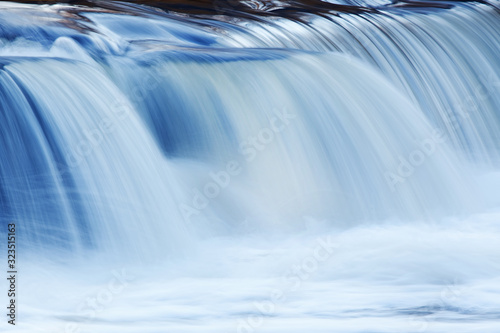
445	60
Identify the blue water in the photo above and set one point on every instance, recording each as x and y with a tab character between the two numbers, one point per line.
181	171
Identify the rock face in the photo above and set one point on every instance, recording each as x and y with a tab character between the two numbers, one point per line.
234	8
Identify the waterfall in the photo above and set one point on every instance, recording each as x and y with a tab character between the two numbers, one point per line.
78	141
445	61
303	149
202	137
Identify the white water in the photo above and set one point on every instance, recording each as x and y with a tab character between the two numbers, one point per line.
447	62
109	138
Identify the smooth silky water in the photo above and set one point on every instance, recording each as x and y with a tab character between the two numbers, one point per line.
236	171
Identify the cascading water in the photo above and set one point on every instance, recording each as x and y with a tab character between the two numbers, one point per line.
444	61
166	169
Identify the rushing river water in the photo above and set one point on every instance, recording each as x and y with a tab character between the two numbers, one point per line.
250	166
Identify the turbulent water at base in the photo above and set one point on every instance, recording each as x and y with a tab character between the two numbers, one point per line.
214	154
